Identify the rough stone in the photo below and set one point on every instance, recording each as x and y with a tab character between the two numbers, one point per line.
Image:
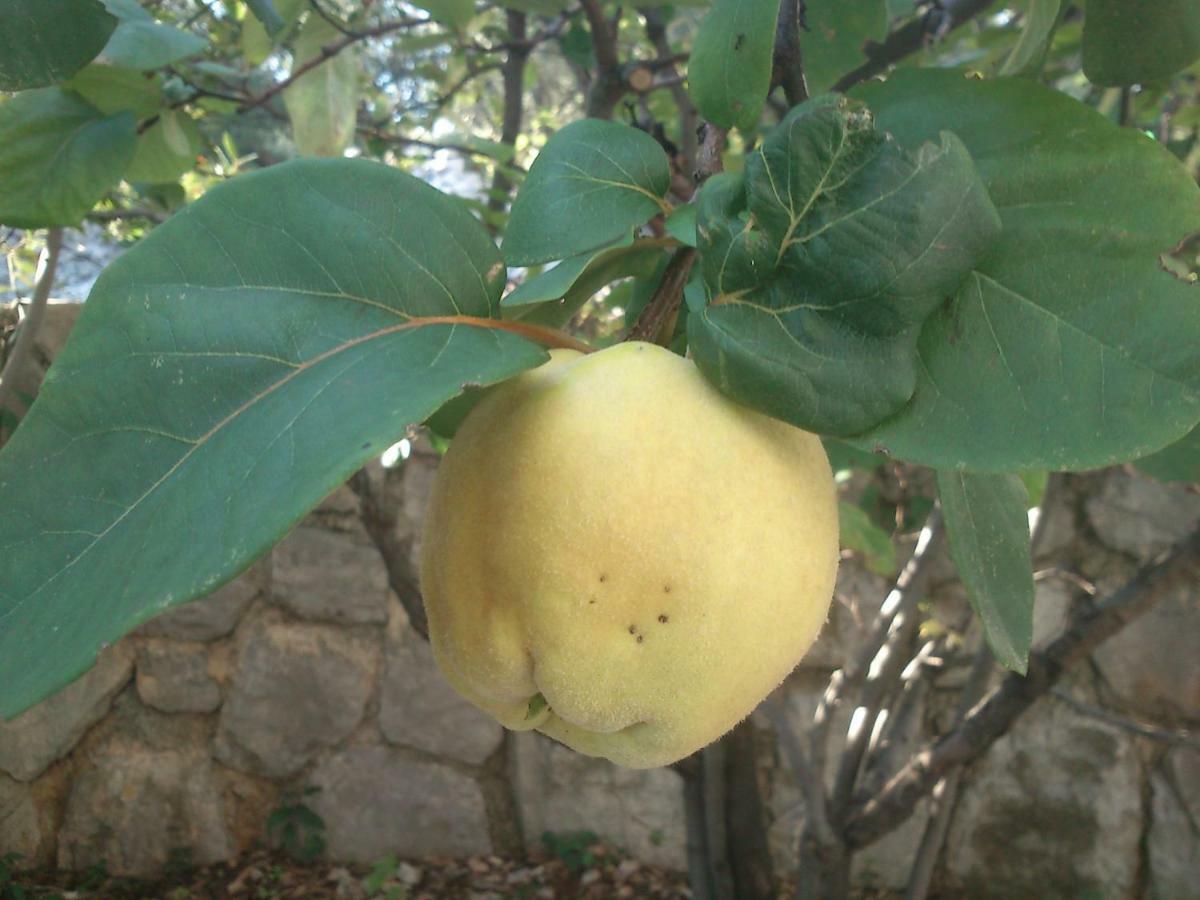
559	790
1151	664
420	709
20	824
1173	841
377	800
1054	809
36	738
217	614
296	688
141	810
1141	516
327	576
173	677
1051	609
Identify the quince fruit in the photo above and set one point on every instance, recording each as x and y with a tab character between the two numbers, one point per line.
621	557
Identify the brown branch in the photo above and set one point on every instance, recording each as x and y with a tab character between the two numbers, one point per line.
664	305
788	63
27	336
514	95
608	85
656	32
989	720
912	37
328	52
1125	723
380	517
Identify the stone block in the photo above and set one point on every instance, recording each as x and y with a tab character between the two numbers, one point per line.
296	689
173	677
419	708
1173	839
559	790
47	732
20	823
1054	809
1141	516
378	800
216	615
330	576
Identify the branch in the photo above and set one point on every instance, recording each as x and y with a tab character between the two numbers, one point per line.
663	307
788	64
514	95
912	37
989	720
328	52
27	336
1125	723
379	518
609	85
656	32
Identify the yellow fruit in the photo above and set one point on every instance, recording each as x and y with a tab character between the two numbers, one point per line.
621	557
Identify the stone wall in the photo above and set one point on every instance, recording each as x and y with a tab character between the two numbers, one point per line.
301	683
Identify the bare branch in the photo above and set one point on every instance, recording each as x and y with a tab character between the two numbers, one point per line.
1125	723
608	85
514	93
27	336
913	37
663	307
788	60
996	713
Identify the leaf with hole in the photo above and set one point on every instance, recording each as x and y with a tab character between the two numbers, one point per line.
226	373
823	260
592	184
43	42
1068	346
988	528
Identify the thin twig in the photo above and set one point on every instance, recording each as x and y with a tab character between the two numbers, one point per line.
1125	723
22	352
991	718
514	105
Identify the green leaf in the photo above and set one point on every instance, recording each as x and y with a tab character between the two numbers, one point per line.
1068	347
823	260
323	102
166	150
988	528
1126	42
554	283
593	183
455	13
681	225
226	373
43	42
729	72
1030	51
58	157
139	42
112	89
1178	462
857	532
257	42
266	13
837	32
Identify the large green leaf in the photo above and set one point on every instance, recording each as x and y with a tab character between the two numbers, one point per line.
1069	347
43	42
593	183
1030	51
553	284
1178	462
166	149
823	260
112	89
323	102
258	42
58	156
226	373
988	526
140	42
729	71
1138	41
837	32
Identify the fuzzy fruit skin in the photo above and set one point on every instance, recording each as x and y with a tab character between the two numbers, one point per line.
612	533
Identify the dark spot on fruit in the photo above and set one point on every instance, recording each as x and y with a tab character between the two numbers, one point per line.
633	629
591	601
603	578
641	638
663	618
666	589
